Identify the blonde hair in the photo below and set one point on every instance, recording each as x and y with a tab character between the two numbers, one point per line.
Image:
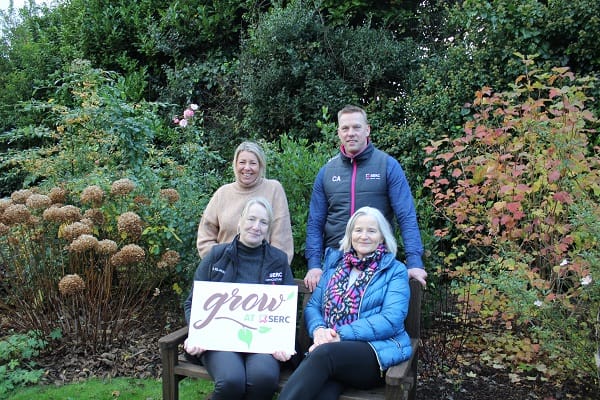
265	204
350	109
255	149
382	223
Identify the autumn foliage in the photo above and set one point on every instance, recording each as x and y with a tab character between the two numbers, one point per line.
517	196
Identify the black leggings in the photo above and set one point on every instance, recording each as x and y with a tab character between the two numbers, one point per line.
331	367
242	375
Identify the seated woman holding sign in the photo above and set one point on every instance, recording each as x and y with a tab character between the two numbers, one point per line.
247	259
355	314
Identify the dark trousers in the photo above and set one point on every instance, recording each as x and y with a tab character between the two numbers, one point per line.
326	371
242	375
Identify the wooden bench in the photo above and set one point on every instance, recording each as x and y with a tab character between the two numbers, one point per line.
401	379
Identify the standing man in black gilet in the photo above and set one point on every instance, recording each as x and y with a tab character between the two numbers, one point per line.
360	175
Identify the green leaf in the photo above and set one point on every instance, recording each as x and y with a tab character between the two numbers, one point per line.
245	335
56	334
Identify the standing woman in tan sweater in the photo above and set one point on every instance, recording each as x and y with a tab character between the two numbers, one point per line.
220	218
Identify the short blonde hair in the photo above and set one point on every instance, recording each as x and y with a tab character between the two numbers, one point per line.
265	204
255	149
382	223
350	109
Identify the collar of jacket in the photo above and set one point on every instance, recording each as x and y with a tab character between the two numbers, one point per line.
338	256
363	155
232	248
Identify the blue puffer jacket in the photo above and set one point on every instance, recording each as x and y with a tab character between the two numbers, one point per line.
383	309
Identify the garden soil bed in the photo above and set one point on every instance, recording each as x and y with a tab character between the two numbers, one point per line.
141	359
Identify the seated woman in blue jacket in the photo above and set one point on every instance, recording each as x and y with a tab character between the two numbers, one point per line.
249	258
356	314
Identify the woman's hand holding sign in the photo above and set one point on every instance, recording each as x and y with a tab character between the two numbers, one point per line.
192	350
282	355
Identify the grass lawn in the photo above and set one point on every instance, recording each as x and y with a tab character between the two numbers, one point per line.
111	389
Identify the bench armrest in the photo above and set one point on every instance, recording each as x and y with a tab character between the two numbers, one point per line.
401	373
173	339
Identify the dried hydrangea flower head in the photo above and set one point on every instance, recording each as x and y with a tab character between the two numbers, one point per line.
130	223
52	214
142	200
96	215
171	195
16	214
21	196
122	187
129	254
70	285
38	201
34	220
92	195
83	243
74	230
107	247
88	222
4	203
4	229
57	195
170	258
70	213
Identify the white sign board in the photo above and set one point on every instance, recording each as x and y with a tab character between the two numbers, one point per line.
242	317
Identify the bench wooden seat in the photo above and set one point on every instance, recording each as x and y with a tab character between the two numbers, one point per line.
401	379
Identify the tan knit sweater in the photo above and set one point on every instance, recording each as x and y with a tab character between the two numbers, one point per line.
221	216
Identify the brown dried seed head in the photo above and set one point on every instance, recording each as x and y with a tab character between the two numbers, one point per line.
16	214
33	220
83	243
131	224
52	214
129	254
96	215
58	195
70	213
171	195
92	195
38	201
122	187
107	247
88	222
21	196
4	203
142	200
70	285
170	258
74	230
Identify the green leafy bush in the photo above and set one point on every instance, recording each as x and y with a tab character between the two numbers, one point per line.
295	164
293	64
520	194
17	360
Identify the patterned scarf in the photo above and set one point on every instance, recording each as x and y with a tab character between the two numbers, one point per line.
341	301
